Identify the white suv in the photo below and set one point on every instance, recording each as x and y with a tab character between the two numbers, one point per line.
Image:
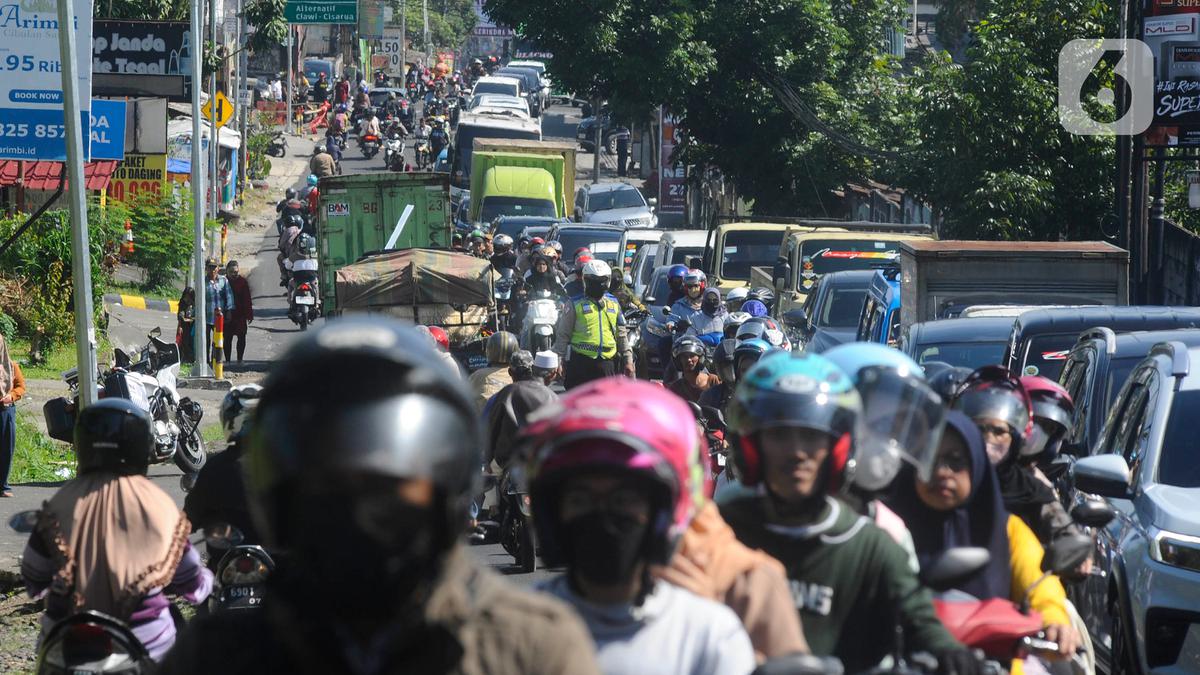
615	203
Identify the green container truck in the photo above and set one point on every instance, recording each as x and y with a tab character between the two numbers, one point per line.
376	212
521	178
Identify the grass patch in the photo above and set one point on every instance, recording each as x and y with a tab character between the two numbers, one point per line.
58	359
160	292
213	436
38	459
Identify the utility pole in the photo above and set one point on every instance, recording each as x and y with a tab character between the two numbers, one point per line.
213	132
243	117
81	259
197	50
596	139
425	31
404	40
288	124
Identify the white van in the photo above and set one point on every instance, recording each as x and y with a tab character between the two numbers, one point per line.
508	86
633	240
677	246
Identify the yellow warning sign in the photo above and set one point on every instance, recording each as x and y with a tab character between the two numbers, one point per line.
221	114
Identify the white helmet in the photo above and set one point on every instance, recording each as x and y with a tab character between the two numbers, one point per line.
736	294
597	268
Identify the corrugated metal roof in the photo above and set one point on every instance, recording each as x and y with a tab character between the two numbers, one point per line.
957	246
46	175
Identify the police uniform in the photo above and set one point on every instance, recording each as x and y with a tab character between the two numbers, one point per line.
595	334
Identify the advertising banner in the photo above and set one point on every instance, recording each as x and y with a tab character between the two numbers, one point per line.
1171	28
672	178
138	175
108	129
370	19
142	48
31	97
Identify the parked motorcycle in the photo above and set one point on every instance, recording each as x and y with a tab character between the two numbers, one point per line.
368	145
541	318
278	145
147	378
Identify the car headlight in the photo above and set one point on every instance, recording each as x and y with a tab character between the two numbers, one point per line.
1176	550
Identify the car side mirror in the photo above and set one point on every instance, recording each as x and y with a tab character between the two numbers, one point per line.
628	279
795	319
1093	513
955	566
652	202
1103	475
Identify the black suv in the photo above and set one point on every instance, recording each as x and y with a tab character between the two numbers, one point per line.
1097	367
1041	338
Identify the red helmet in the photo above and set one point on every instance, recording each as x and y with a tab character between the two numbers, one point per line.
537	241
440	337
620	424
1053	414
995	392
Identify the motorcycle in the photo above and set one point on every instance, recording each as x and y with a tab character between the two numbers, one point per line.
503	295
368	145
516	526
393	152
242	573
304	303
278	145
541	318
423	153
149	381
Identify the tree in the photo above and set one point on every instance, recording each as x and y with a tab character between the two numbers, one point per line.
990	154
450	22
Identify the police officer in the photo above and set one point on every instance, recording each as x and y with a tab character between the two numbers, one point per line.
594	328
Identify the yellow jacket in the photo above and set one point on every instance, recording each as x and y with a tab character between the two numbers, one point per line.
1025	559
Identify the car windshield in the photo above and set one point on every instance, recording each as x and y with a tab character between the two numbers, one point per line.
748	248
843	308
496	88
1047	354
680	254
571	240
822	256
615	199
966	354
1178	465
513	227
494	207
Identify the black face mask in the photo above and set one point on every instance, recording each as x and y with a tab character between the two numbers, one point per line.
604	547
709	306
595	289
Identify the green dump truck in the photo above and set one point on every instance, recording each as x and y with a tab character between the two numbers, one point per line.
521	178
377	212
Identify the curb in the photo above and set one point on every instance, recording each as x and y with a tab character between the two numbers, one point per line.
139	302
207	383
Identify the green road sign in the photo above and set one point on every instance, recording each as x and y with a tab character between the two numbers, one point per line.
321	11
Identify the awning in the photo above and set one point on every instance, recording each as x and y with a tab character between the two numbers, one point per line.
46	175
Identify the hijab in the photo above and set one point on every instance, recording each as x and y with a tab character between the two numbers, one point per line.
980	521
1024	495
114	538
719	309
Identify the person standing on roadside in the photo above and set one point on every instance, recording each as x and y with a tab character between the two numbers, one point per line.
217	298
186	324
242	314
12	389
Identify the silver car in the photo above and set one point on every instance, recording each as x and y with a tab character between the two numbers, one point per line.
615	203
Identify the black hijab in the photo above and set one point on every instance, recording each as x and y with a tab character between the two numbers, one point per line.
1024	495
981	520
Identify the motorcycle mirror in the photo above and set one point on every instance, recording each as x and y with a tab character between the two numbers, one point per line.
954	566
24	522
1066	553
1093	513
666	311
223	535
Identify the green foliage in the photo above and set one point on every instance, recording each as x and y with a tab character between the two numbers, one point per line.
37	458
450	22
162	226
8	328
270	28
990	153
257	142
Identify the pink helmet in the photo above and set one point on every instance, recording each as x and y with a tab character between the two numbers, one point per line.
995	392
622	424
1053	413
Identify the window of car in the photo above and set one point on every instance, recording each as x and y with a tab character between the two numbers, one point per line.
615	199
509	89
967	354
893	330
743	249
810	302
837	255
1178	464
658	289
1132	437
867	321
842	308
1116	427
1045	355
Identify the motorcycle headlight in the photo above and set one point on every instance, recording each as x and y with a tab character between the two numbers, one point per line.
1176	550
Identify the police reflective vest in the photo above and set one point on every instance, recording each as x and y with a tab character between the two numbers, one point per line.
595	333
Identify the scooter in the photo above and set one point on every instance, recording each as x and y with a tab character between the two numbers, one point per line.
422	151
368	145
278	145
541	318
304	304
393	152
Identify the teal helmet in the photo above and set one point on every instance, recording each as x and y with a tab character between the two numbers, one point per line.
793	389
753	349
903	417
312	179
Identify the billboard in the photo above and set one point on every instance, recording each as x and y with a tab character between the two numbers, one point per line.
1171	28
672	177
138	175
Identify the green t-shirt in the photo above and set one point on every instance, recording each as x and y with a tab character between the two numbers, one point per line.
851	583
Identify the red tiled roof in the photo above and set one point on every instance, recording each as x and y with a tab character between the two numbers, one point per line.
46	175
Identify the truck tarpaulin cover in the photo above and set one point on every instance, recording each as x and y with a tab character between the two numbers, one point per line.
415	277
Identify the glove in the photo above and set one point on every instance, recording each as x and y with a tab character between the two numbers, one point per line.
959	662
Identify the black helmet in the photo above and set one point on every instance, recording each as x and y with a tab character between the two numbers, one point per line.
500	347
290	193
362	396
688	344
762	294
114	434
946	381
724	360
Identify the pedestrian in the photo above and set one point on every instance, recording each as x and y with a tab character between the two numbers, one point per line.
12	389
622	153
185	324
242	314
217	298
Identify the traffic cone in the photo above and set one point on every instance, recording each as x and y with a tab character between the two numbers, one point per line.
218	342
127	242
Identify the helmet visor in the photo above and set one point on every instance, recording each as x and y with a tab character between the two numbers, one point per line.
997	403
902	419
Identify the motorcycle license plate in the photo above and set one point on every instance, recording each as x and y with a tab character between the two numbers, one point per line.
305	300
720	459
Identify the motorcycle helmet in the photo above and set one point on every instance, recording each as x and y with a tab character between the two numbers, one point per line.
803	390
616	424
502	243
289	194
946	380
735	298
580	262
312	177
237	408
695	277
537	242
688	344
557	246
595	275
1053	416
724	361
675	275
113	434
762	294
902	419
747	353
476	236
733	323
500	347
995	393
440	337
581	251
764	327
754	308
352	411
295	220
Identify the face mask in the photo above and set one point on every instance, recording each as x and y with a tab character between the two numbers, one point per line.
996	452
604	547
709	306
595	290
